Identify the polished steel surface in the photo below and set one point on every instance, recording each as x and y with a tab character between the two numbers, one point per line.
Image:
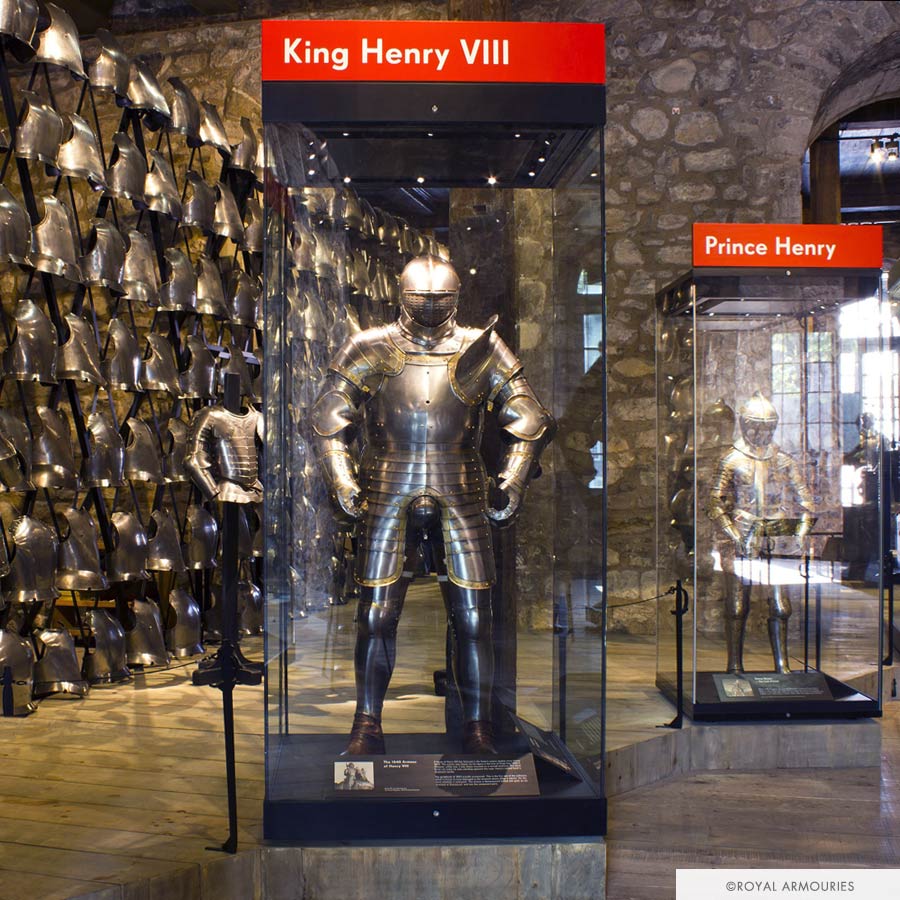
78	558
212	131
185	113
243	298
210	292
126	561
17	655
183	637
40	130
160	187
13	472
199	205
227	220
198	381
145	644
18	20
32	354
58	43
243	153
52	456
159	367
32	562
223	455
145	93
127	171
140	278
79	355
104	662
15	230
122	365
105	466
104	262
235	364
175	447
254	225
201	538
54	240
164	544
109	69
303	247
250	608
179	290
79	153
57	670
143	460
16	470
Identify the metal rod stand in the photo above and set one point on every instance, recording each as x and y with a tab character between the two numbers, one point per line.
682	603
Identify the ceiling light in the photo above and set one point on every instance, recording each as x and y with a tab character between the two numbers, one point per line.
893	148
420	180
492	179
876	150
346	179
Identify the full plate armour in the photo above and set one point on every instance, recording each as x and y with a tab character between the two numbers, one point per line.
58	671
79	355
105	466
32	354
32	563
78	559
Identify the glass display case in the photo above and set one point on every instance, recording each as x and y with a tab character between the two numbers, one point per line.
775	403
434	461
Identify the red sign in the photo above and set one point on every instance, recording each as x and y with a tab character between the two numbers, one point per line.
768	246
512	52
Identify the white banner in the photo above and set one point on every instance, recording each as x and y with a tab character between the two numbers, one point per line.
787	884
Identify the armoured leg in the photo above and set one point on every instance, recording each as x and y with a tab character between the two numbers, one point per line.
737	607
779	613
470	620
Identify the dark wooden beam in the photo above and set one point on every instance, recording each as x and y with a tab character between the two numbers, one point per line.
825	178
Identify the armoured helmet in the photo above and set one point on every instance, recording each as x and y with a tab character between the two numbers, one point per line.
109	69
127	171
179	290
429	291
140	278
32	562
39	132
78	559
212	131
201	538
183	633
79	153
31	356
15	470
142	456
79	356
758	419
18	21
58	41
53	241
57	670
105	466
243	154
104	262
159	367
160	187
15	231
164	546
145	644
105	661
122	365
127	559
185	113
199	206
52	456
17	656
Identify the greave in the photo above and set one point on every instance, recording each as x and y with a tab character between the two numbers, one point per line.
473	657
376	644
778	639
734	642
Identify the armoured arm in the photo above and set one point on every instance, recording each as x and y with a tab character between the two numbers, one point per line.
721	501
804	498
198	461
528	428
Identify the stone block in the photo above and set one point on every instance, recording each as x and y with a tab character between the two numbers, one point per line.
234	877
181	885
535	863
579	871
730	746
282	874
674	77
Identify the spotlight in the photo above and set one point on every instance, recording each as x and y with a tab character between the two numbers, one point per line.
542	159
420	180
531	174
876	150
492	179
893	148
346	179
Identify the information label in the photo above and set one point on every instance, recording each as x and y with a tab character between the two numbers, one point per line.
772	686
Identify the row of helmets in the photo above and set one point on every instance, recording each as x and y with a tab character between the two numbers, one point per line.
42	564
34	355
128	270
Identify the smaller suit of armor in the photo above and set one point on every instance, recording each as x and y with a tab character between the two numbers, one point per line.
758	493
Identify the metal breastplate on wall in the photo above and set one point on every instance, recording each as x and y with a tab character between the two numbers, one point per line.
303	248
183	638
105	466
32	563
79	153
57	671
201	539
104	263
122	365
32	354
160	187
145	93
159	368
17	655
53	241
39	132
18	20
52	457
210	294
227	220
12	475
198	208
185	112
58	43
105	661
139	277
108	71
250	607
78	559
142	456
15	231
179	290
198	381
127	171
175	447
126	561
253	226
243	154
145	644
229	442
164	546
212	131
243	297
16	474
79	356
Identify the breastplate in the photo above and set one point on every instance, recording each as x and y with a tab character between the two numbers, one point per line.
79	154
201	539
32	564
127	171
185	112
145	644
58	671
227	220
179	290
369	226
122	366
759	486
108	71
183	638
243	154
210	294
104	263
142	456
15	231
243	297
79	356
250	607
32	354
18	20
12	471
53	461
139	278
105	466
303	248
53	241
159	368
175	444
164	545
198	208
253	226
144	93
16	473
106	660
78	559
39	132
199	380
160	188
58	44
212	131
126	561
229	441
17	655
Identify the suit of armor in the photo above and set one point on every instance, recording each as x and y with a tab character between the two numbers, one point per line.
758	493
415	393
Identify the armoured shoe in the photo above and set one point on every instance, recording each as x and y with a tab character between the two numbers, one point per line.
227	220
79	356
160	187
183	635
79	153
127	172
159	368
32	354
199	206
185	113
78	558
104	662
478	738
144	93
58	671
104	262
126	561
198	381
105	467
243	154
253	227
109	69
58	42
164	545
142	455
140	279
16	655
32	562
175	448
212	131
201	539
145	644
243	298
18	22
15	231
366	737
53	241
122	365
52	456
16	469
40	131
210	293
179	290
